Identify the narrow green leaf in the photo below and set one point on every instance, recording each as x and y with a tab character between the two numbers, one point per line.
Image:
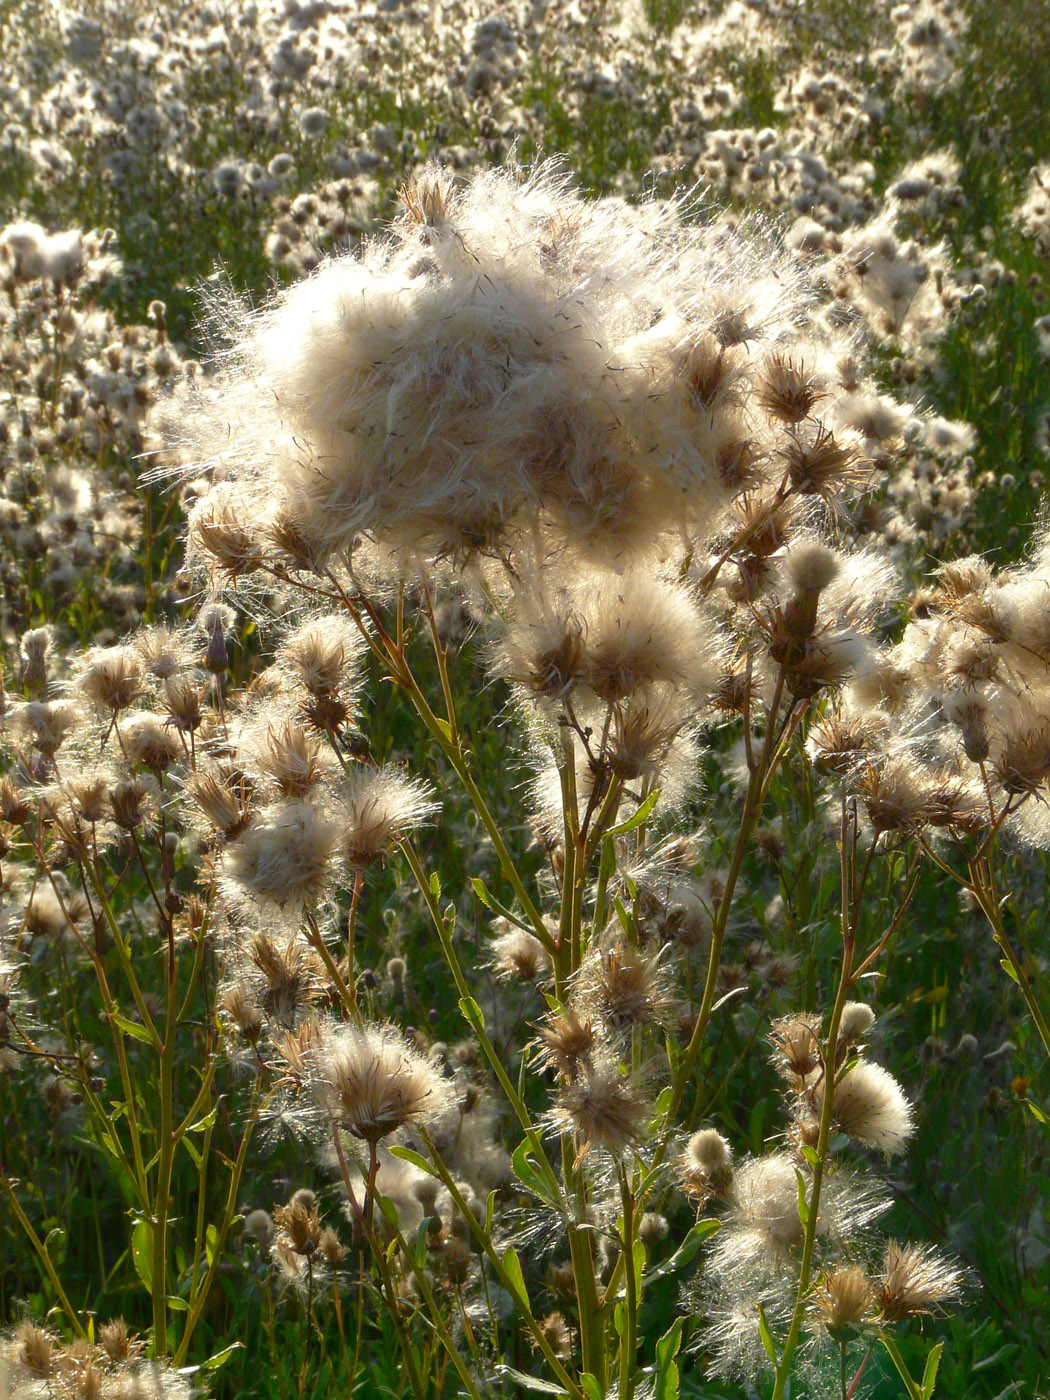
665	1374
388	1210
481	890
531	1382
179	1304
590	1387
131	1028
221	1357
407	1155
929	1375
766	1336
473	1012
803	1204
810	1154
142	1252
1009	971
55	1244
211	1238
619	1317
435	885
512	1268
638	818
686	1251
528	1174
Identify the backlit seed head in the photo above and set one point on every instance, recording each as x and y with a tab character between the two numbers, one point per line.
915	1280
787	391
372	1081
869	1104
796	1046
520	956
600	1107
566	1041
110	678
705	1168
842	1301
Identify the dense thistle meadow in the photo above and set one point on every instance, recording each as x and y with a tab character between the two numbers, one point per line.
525	723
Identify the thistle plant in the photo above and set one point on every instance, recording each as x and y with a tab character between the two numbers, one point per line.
632	449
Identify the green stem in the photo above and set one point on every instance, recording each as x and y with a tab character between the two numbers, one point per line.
42	1254
463	987
484	1242
827	1108
629	1340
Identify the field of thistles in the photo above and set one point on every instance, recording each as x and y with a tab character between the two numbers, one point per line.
524	700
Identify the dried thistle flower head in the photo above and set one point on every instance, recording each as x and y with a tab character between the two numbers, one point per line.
285	857
705	1168
796	1046
110	678
869	1104
372	1082
36	645
914	1280
290	758
291	979
520	956
35	1349
377	807
566	1041
855	1022
624	986
843	1301
299	1227
601	1107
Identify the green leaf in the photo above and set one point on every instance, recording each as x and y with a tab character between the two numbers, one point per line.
473	1012
686	1251
208	1121
512	1268
527	1174
407	1155
142	1252
55	1244
221	1357
435	885
481	890
531	1382
211	1238
590	1387
665	1373
810	1154
179	1304
131	1028
619	1317
803	1204
929	1376
1009	971
622	916
639	817
766	1336
388	1210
